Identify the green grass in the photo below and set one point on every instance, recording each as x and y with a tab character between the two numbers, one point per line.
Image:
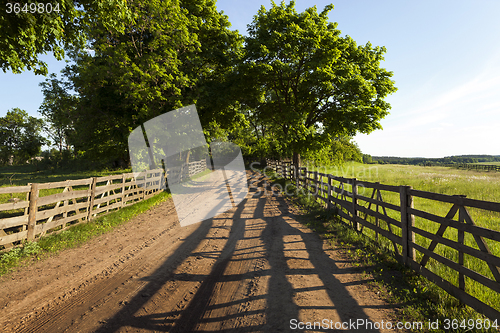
75	235
473	184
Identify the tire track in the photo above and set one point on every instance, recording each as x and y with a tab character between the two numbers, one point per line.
100	285
250	269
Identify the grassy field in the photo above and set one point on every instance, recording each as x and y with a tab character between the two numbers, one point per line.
474	184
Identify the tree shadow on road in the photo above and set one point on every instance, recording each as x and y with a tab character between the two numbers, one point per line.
231	298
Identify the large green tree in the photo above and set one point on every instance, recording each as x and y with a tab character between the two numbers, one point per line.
171	53
307	82
20	136
30	28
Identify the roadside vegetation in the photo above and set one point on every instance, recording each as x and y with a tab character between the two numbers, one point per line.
421	300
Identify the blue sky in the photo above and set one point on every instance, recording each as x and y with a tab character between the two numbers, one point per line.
445	57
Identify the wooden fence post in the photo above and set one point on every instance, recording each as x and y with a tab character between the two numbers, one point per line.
91	199
329	194
145	179
32	211
123	189
316	185
407	222
306	179
354	204
460	240
377	223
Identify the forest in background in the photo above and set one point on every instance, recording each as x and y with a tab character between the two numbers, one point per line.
458	159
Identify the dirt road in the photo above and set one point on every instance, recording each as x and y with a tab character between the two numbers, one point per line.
251	269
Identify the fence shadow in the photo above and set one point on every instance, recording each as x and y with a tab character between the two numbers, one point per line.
265	234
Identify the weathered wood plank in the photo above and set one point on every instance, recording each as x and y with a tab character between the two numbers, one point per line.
488	257
343	203
134	197
33	207
440	232
7	239
102	189
14	205
456	292
493	285
380	203
15	221
473	229
378	186
108	198
344	215
63	196
91	199
130	175
487	205
133	191
8	246
44	227
42	214
389	235
342	179
14	189
64	183
381	216
341	191
480	243
107	178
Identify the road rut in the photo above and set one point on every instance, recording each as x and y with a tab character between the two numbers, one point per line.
252	269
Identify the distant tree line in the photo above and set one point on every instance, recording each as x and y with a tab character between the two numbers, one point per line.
458	159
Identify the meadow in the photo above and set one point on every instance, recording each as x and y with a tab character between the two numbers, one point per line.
474	184
478	185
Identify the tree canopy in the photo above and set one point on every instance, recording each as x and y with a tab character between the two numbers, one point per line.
30	30
170	53
20	136
307	82
294	86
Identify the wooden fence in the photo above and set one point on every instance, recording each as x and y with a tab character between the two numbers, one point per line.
371	212
56	206
477	167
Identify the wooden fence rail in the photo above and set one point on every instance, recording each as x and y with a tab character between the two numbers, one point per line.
56	206
371	212
478	167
